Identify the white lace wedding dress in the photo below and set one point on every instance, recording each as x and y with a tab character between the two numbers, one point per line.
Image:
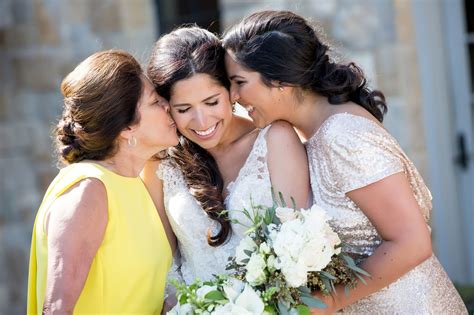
190	223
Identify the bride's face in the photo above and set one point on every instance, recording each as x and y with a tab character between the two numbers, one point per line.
247	88
201	108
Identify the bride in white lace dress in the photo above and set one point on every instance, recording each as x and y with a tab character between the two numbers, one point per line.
222	161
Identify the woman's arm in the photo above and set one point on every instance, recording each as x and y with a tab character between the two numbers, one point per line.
288	164
392	209
154	186
75	226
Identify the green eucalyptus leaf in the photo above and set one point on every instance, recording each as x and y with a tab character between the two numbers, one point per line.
293	202
304	289
282	309
360	278
350	262
346	290
313	302
248	252
360	270
328	275
282	200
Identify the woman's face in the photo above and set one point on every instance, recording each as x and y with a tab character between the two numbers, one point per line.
201	108
155	128
248	89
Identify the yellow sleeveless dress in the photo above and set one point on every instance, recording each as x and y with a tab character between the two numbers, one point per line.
128	273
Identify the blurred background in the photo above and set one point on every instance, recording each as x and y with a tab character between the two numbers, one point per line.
420	53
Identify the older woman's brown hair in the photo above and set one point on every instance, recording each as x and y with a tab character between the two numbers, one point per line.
100	100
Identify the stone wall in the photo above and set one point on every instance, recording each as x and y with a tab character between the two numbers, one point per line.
40	42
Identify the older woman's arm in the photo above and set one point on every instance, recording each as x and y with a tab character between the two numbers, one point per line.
154	186
75	226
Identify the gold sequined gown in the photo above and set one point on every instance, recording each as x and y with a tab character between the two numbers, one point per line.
350	152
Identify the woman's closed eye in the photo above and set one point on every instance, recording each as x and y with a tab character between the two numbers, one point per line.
182	110
214	103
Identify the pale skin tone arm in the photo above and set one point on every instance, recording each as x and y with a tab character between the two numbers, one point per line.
154	186
75	226
392	209
288	164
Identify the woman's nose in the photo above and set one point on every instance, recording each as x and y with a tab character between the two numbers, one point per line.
234	94
167	107
201	118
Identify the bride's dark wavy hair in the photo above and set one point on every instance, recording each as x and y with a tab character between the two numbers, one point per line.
176	56
283	47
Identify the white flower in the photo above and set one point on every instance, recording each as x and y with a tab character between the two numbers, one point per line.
285	214
264	248
271	263
205	289
256	270
246	244
247	303
185	309
304	244
233	288
296	273
250	301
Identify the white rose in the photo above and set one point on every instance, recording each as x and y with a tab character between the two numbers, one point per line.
289	240
205	289
264	248
285	214
246	244
317	254
256	270
296	273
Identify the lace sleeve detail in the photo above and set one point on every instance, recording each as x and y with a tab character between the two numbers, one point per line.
358	152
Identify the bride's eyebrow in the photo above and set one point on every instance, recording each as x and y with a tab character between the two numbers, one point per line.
208	98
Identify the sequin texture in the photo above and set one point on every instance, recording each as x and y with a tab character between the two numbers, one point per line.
350	152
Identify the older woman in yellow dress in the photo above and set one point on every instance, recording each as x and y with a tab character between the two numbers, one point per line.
98	243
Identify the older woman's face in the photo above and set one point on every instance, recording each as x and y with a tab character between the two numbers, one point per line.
155	129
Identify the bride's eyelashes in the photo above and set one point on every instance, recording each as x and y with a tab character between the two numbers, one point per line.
212	103
184	110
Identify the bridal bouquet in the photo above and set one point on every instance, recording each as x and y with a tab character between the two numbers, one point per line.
288	253
285	255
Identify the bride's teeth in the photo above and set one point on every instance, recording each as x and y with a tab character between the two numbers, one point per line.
206	132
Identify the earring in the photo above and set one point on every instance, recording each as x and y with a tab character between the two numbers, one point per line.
233	107
281	88
132	142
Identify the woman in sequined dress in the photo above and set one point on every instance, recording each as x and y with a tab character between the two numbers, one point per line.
380	206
